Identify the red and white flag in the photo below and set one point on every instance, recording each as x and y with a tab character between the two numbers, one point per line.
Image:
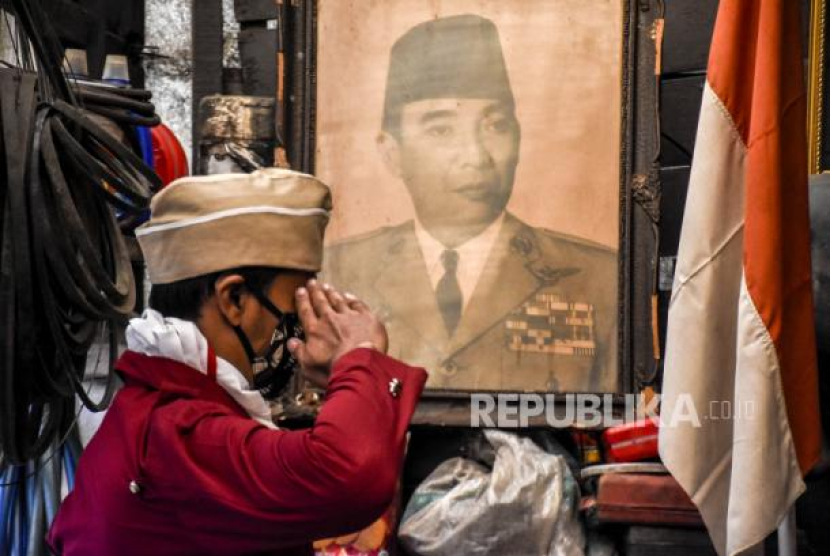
740	420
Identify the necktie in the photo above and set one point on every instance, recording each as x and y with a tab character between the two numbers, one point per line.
448	291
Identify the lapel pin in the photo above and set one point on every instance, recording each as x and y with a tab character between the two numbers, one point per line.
395	387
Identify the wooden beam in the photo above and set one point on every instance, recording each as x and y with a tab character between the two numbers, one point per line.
207	60
255	10
258	47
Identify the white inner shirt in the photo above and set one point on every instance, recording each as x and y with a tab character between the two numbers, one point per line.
182	341
472	256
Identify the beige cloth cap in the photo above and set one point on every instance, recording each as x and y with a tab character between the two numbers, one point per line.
206	224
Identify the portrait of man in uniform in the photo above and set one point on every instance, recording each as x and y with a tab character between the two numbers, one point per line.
484	300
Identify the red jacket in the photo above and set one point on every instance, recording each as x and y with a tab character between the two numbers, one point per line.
211	480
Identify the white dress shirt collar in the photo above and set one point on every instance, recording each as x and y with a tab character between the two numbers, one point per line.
472	256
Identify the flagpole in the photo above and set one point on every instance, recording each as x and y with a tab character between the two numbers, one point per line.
787	541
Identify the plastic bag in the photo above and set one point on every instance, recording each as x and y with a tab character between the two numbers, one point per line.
527	505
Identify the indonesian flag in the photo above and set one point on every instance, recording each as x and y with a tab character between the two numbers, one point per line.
740	353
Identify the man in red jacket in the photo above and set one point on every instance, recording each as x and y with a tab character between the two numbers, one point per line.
188	460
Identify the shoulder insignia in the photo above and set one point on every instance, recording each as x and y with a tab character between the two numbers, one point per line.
549	275
522	245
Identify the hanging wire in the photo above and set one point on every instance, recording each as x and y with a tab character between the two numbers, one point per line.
66	279
46	458
64	266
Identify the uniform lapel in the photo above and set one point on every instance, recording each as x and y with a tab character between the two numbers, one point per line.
405	289
514	272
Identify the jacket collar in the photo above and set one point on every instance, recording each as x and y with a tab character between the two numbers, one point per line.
172	377
179	340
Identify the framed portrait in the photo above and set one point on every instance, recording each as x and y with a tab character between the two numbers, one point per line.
483	157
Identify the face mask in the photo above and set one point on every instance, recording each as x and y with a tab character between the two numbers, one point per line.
273	370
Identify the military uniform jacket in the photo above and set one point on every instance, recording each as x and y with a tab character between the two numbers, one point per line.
178	467
542	317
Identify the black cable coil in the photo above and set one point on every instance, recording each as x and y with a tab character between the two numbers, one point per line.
65	273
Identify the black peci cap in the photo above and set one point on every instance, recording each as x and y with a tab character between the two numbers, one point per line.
452	57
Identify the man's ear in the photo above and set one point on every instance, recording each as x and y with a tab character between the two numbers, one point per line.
390	152
230	296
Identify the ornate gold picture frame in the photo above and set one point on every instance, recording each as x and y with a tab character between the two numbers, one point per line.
818	124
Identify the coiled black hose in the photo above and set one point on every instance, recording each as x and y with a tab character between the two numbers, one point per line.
119	104
65	272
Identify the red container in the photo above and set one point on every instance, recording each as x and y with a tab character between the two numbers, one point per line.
631	442
169	158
